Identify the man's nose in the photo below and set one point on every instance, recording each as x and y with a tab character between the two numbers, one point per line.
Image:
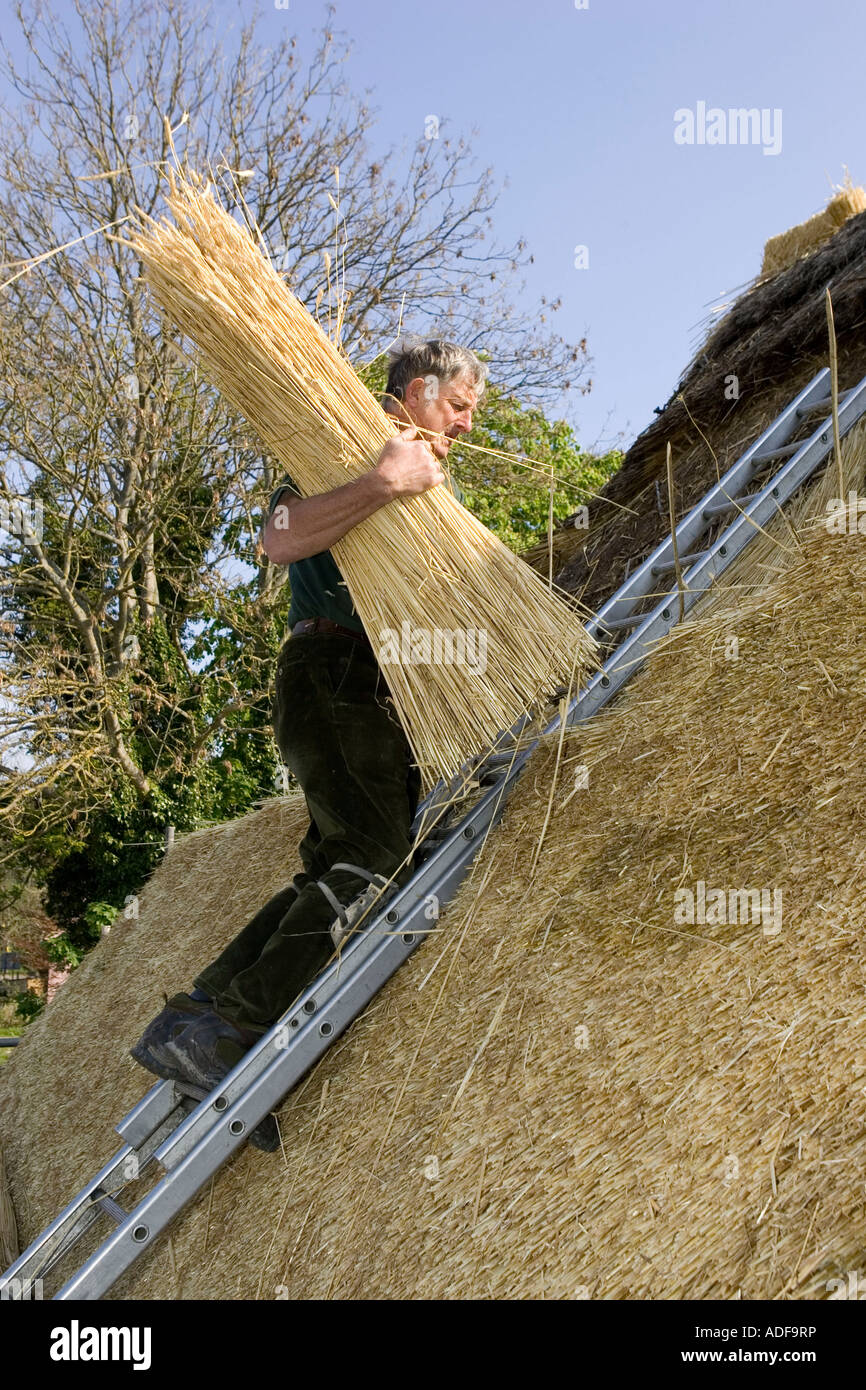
463	421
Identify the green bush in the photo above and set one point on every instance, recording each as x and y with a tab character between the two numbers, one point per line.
28	1005
62	953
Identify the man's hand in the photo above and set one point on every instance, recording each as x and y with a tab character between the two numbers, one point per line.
407	466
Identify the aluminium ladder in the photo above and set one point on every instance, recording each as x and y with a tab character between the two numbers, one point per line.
185	1148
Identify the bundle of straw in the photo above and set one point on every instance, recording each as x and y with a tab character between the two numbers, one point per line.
783	250
423	560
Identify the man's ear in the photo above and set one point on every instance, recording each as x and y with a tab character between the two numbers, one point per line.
414	393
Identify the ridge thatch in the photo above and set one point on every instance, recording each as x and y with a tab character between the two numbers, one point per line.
783	250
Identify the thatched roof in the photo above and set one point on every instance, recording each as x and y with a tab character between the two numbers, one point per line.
774	340
567	1092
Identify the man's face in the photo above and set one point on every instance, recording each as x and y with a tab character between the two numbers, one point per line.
445	407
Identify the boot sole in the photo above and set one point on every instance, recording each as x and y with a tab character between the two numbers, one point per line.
167	1070
151	1052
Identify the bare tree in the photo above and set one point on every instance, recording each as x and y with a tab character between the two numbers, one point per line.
138	618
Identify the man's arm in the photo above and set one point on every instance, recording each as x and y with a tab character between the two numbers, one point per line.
304	526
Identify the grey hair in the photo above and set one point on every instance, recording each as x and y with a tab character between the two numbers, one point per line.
413	357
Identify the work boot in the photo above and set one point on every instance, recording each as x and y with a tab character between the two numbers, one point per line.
207	1051
150	1050
210	1047
266	1136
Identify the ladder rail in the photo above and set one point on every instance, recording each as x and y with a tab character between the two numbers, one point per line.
727	547
642	581
369	957
83	1210
209	1136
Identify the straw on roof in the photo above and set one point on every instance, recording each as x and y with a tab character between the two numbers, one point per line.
567	1092
423	566
9	1247
783	250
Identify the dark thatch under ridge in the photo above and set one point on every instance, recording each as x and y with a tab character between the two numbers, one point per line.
774	340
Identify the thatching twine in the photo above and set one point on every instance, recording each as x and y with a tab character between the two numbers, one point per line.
783	250
568	1092
420	565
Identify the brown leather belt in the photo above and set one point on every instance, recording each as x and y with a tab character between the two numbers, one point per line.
307	626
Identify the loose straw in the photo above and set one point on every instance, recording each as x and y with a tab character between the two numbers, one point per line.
834	391
675	546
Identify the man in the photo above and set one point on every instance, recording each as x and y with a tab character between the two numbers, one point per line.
337	730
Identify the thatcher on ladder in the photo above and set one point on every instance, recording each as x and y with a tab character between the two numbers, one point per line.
337	731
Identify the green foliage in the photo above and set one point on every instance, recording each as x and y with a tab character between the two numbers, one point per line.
191	664
10	1026
28	1005
509	490
123	840
374	375
98	915
62	953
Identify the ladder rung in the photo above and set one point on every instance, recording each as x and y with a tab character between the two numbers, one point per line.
730	504
782	452
110	1207
825	404
685	560
621	624
499	760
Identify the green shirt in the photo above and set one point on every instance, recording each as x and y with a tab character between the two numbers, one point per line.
317	587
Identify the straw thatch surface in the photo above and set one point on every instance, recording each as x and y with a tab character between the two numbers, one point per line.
617	1105
71	1078
9	1247
783	250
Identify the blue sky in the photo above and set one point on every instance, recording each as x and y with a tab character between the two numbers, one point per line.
576	107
